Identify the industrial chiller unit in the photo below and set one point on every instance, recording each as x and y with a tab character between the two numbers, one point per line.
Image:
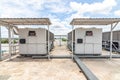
115	41
34	41
86	41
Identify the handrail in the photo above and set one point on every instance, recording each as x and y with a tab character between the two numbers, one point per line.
14	48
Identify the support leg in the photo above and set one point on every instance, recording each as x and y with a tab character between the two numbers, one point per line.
72	42
0	45
9	36
48	44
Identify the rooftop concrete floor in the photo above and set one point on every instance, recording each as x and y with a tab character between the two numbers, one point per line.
104	69
57	69
41	69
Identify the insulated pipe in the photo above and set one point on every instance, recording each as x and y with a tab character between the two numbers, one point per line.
86	71
111	38
82	57
99	57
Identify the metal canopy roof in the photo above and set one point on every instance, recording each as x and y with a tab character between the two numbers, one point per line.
26	21
94	21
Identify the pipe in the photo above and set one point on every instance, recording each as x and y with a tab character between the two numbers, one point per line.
69	57
100	57
88	74
52	57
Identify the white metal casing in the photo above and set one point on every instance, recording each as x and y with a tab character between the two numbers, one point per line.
34	44
91	44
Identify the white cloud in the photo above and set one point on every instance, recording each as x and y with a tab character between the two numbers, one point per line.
79	9
117	13
33	8
58	6
13	12
99	7
20	8
59	27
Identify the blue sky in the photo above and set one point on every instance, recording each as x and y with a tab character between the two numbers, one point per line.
60	12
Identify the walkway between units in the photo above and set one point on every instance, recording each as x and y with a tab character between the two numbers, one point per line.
60	52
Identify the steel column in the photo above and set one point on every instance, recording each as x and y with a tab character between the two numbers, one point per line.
0	45
111	39
9	36
12	35
48	44
72	41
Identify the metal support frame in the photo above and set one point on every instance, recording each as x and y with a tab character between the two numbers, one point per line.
81	57
72	41
6	24
0	45
115	25
9	36
13	48
111	38
48	44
